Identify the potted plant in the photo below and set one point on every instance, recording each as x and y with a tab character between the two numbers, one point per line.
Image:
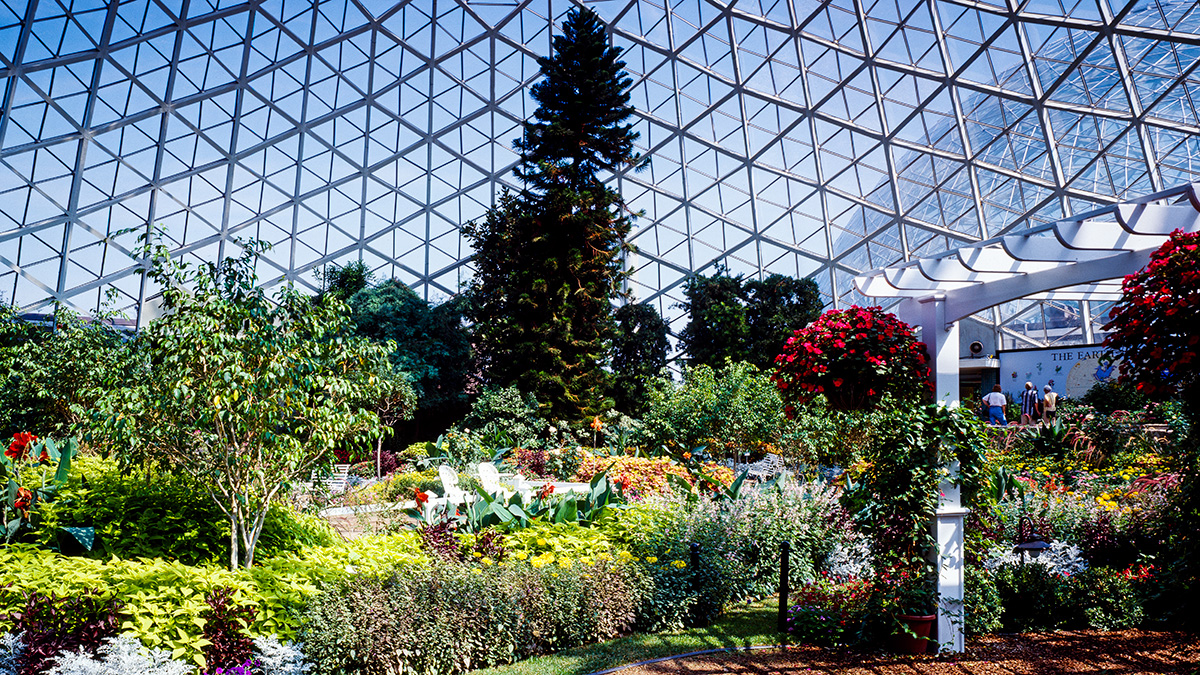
909	600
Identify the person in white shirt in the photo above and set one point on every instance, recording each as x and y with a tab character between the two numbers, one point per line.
1049	405
995	403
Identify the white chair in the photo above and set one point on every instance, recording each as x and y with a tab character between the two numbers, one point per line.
336	481
454	494
489	477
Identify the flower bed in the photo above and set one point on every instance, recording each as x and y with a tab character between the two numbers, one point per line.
644	476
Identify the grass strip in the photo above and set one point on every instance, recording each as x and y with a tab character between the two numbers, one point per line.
743	626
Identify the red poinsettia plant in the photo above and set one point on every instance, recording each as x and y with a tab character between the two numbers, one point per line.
853	356
1154	326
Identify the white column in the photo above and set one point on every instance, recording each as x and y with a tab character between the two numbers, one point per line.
948	528
941	342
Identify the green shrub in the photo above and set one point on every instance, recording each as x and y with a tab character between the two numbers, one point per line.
569	540
163	601
1032	598
446	617
401	486
736	408
820	435
413	452
1107	600
1107	396
505	413
740	547
160	515
981	601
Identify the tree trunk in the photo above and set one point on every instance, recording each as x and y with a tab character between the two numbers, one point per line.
233	538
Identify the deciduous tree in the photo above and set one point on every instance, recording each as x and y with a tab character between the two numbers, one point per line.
245	393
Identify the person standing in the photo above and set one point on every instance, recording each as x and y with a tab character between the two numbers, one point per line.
1029	404
1049	405
995	403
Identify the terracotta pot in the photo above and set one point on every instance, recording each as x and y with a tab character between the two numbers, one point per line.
903	643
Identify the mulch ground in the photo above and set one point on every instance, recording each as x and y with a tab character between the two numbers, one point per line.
1116	653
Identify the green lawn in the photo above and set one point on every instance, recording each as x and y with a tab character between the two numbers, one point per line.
742	626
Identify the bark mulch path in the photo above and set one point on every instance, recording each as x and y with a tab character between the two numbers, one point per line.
1116	653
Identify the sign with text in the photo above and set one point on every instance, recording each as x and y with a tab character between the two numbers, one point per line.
1071	371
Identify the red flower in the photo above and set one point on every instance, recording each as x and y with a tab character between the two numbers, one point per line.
546	491
24	498
420	496
21	440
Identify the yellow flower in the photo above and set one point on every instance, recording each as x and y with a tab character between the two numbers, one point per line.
488	561
554	574
477	554
679	564
521	555
651	559
541	541
476	570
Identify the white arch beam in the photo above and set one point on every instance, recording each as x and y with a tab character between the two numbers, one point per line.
1074	259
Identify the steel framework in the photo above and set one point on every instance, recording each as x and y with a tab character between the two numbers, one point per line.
821	139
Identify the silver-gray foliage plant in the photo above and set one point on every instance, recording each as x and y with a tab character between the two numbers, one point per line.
1061	558
12	645
281	658
121	655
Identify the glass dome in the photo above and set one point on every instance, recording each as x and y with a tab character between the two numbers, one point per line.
786	136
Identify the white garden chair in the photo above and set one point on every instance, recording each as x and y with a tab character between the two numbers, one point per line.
489	477
453	493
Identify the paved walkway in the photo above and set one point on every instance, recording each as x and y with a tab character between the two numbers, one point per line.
1129	652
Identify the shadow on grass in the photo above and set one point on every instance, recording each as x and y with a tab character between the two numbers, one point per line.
746	626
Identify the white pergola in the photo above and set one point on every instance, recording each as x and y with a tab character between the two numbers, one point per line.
1081	258
1075	259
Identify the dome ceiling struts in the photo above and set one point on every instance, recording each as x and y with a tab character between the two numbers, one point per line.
786	136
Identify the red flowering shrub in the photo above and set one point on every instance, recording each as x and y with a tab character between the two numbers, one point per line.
1154	326
852	356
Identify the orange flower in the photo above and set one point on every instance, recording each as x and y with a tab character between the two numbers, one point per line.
24	498
597	425
420	496
687	455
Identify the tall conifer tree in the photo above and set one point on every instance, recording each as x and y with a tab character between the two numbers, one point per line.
548	259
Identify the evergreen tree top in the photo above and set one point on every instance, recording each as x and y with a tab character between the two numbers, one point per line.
580	127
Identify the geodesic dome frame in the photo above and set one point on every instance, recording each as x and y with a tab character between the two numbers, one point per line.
786	136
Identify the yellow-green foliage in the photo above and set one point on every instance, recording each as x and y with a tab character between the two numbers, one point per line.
162	601
569	540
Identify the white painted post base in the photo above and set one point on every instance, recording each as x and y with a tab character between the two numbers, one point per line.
948	528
